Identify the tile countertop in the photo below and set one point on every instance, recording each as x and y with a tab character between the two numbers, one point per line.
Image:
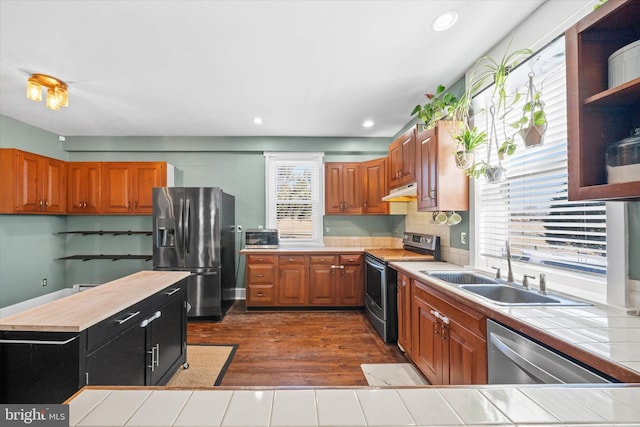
309	249
604	337
426	406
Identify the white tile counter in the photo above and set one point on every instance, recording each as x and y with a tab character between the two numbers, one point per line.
429	406
593	334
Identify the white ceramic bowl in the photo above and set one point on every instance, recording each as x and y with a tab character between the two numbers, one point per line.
624	64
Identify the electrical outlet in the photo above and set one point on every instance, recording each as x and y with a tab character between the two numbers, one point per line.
327	230
463	238
239	228
44	282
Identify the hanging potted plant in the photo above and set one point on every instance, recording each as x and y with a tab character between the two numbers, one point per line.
440	106
467	141
533	123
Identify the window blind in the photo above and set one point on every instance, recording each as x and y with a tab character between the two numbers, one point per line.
530	208
294	196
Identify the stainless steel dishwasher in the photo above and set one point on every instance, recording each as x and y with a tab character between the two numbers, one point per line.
514	358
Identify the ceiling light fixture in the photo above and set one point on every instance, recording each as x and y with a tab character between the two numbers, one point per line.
445	20
257	121
57	95
367	124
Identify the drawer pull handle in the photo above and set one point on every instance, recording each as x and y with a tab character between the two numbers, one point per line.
129	317
260	294
259	275
172	291
38	342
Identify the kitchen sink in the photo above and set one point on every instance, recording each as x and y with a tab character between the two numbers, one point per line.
512	295
461	277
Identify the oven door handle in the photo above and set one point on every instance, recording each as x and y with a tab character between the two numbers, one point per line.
532	369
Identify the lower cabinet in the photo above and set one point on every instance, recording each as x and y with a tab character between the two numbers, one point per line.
404	313
327	280
448	340
141	345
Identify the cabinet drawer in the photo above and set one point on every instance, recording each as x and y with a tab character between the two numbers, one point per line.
260	259
260	274
322	259
354	259
117	324
260	295
291	259
175	291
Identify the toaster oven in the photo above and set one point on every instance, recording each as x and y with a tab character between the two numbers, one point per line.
261	238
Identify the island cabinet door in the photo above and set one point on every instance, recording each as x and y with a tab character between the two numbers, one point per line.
121	361
166	347
40	367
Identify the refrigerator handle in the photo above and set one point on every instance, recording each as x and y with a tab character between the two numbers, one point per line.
180	238
187	222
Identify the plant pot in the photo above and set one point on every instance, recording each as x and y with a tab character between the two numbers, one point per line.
494	174
464	159
533	136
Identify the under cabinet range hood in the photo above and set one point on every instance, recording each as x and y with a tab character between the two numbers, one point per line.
406	193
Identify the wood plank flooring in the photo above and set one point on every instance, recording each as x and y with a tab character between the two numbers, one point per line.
296	348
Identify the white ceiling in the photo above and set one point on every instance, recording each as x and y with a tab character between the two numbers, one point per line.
207	68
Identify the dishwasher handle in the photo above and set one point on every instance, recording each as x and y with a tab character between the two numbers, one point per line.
527	366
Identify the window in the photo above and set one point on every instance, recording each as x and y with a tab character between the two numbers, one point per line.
530	207
294	196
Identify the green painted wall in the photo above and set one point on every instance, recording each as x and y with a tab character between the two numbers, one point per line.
633	212
29	244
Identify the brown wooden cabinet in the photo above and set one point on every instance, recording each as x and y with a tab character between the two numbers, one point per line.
31	183
441	185
126	186
402	159
404	312
261	280
342	188
596	114
448	339
374	186
322	286
336	280
292	280
351	280
356	188
83	187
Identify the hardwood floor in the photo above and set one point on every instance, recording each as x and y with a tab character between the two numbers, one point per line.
296	348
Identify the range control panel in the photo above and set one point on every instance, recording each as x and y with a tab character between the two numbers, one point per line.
427	242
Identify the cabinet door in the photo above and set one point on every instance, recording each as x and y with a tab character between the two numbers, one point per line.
467	356
146	176
83	187
322	285
351	285
292	282
428	170
408	142
374	186
29	183
333	188
167	343
351	182
427	347
122	361
116	187
54	185
404	313
395	164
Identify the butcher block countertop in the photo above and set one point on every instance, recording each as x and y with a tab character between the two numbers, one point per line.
80	311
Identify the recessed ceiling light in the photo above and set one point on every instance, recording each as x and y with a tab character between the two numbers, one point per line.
445	20
367	124
257	121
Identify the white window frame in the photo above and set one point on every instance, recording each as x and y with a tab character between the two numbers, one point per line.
271	161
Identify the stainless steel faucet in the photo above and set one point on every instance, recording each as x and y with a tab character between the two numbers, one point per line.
510	272
543	284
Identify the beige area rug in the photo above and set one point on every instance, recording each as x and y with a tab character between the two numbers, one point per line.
207	366
392	374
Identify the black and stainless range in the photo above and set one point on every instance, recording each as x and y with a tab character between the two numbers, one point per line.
381	280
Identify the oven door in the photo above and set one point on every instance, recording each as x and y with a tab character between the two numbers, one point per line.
375	282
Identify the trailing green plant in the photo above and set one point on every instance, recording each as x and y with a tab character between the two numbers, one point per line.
471	138
600	3
440	106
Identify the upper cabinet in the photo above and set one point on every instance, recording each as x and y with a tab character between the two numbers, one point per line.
442	186
83	187
31	183
402	159
599	115
356	188
127	186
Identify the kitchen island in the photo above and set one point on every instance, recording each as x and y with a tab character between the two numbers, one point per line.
131	331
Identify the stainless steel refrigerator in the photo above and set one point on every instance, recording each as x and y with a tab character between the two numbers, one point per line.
193	230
